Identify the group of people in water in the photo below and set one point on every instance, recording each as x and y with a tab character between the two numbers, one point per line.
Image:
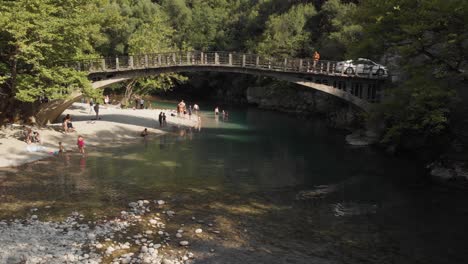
183	110
224	114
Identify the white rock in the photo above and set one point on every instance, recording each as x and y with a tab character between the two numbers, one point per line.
144	249
161	202
167	261
184	243
198	230
178	235
153	222
170	213
109	250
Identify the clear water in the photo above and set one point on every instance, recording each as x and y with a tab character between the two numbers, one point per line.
251	175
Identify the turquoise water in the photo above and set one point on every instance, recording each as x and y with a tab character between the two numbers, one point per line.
254	171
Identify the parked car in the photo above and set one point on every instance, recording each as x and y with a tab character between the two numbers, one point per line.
361	66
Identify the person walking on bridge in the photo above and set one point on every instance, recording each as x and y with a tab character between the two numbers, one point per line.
316	58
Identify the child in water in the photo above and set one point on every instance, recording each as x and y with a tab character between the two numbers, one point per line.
81	144
61	148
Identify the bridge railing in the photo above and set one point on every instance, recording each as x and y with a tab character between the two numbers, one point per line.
227	59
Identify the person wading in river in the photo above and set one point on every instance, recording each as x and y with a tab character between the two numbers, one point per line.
81	145
160	119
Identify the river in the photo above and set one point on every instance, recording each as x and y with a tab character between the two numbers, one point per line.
280	189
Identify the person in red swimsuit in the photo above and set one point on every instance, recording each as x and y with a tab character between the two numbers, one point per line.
81	144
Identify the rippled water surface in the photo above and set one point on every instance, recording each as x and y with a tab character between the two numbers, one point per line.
281	189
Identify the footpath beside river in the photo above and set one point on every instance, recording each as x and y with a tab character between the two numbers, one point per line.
116	126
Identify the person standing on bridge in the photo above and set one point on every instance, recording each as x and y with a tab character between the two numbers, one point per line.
316	58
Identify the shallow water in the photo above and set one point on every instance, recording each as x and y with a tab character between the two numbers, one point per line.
279	188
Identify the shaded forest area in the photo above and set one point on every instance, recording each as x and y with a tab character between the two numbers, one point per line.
423	42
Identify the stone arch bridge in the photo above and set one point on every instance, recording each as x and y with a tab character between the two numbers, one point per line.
360	90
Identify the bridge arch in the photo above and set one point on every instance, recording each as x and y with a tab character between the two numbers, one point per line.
321	83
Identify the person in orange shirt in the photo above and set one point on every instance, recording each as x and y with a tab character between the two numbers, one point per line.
316	56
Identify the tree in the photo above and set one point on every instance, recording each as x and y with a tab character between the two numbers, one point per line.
152	37
35	35
285	35
425	42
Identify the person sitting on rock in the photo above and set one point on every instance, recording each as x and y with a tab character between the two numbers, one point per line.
27	134
36	137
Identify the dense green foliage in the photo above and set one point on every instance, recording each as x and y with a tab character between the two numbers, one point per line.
34	34
424	42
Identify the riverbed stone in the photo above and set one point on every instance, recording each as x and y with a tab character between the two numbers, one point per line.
167	261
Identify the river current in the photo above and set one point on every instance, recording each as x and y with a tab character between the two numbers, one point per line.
281	189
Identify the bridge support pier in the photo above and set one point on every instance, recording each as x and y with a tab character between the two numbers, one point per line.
130	62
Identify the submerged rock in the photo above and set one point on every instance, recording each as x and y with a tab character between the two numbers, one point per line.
362	138
184	243
319	192
353	209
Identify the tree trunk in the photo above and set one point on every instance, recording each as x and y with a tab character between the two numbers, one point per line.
128	92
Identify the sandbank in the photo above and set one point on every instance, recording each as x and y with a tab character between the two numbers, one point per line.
115	127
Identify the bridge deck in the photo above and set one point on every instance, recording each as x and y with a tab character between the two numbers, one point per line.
219	59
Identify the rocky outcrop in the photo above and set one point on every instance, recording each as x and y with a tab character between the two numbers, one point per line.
304	101
449	171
